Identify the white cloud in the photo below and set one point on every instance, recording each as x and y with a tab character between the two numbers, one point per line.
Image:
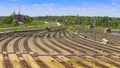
45	7
45	4
112	10
51	4
114	3
35	5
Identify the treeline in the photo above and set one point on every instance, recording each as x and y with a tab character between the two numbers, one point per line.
111	22
83	20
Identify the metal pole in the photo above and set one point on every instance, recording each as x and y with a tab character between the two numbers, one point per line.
94	34
78	20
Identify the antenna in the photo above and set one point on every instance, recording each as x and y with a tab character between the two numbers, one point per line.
19	9
19	13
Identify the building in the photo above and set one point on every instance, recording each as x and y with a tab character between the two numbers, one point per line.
21	19
90	26
107	30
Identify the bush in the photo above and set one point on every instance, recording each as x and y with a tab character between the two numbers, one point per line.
52	61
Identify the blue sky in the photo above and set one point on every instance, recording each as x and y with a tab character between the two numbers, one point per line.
61	7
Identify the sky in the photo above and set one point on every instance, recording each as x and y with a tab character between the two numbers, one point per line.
61	7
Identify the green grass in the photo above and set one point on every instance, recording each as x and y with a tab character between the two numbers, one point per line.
56	64
74	64
29	26
41	25
74	28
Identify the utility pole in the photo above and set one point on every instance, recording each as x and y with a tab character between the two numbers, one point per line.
94	43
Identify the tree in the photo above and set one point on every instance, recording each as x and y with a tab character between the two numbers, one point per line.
9	19
29	20
15	23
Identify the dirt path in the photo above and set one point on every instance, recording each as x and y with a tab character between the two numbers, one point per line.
20	45
10	45
2	42
32	46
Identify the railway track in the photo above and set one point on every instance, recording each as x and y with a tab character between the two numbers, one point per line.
98	64
47	51
116	64
37	60
7	62
63	41
108	49
23	62
67	49
112	38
